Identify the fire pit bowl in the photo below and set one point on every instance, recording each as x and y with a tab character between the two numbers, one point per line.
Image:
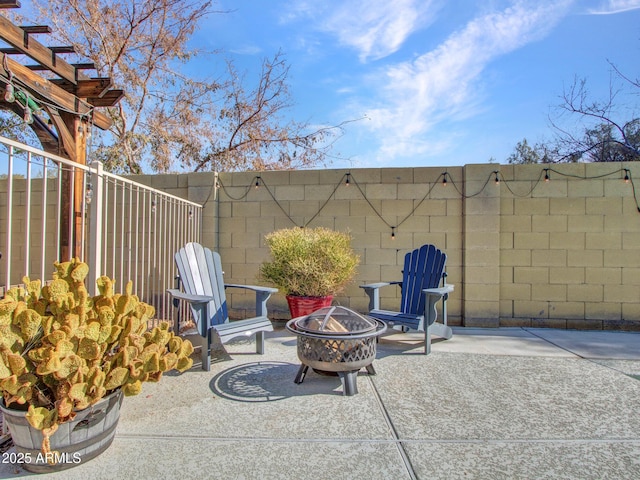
336	340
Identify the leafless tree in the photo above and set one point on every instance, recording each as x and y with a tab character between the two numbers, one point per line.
169	120
247	128
604	133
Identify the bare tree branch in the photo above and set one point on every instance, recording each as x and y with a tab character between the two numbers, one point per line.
604	137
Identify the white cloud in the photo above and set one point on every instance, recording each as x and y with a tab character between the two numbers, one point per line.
374	28
615	6
246	50
442	83
377	28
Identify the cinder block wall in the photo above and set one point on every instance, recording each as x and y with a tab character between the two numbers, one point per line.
16	257
521	252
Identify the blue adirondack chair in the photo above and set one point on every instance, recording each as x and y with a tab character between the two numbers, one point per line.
423	285
201	277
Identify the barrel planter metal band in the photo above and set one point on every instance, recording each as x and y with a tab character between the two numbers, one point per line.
89	434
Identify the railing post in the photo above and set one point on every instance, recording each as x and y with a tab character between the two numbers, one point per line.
95	227
216	198
7	280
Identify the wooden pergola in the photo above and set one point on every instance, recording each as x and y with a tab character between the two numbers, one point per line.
68	98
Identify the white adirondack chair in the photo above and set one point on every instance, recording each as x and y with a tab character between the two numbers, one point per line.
201	278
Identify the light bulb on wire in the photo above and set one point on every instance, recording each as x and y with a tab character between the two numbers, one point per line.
88	194
9	93
28	116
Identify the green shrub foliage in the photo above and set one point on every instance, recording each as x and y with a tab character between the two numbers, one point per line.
309	262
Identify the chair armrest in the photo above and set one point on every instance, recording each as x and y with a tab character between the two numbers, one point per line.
373	291
256	288
372	286
441	291
262	295
195	299
200	305
433	296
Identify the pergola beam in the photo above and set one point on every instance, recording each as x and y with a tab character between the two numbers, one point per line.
15	51
94	87
77	66
18	38
97	91
51	93
36	29
109	99
43	87
63	49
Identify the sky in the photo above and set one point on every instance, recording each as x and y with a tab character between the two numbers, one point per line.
432	82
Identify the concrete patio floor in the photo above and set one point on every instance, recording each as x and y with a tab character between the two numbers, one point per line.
506	403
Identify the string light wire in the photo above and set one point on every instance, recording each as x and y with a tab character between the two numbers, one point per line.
19	87
495	175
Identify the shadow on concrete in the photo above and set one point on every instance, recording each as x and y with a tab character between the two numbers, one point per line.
269	382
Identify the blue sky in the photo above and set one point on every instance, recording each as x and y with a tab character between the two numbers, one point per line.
439	82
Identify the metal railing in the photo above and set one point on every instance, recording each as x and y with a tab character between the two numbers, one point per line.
52	209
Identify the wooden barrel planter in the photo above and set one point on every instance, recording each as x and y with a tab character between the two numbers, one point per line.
75	442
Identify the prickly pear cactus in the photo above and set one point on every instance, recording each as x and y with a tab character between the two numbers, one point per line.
62	351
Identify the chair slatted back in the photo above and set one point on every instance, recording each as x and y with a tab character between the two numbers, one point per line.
200	272
423	268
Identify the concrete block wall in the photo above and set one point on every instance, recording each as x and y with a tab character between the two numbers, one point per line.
521	252
564	263
16	257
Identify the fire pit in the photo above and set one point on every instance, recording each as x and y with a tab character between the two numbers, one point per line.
336	340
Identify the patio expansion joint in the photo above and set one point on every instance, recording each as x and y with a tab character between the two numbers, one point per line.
597	361
390	441
380	441
554	344
611	367
532	441
392	429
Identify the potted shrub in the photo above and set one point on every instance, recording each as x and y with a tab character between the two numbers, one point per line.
66	360
310	265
